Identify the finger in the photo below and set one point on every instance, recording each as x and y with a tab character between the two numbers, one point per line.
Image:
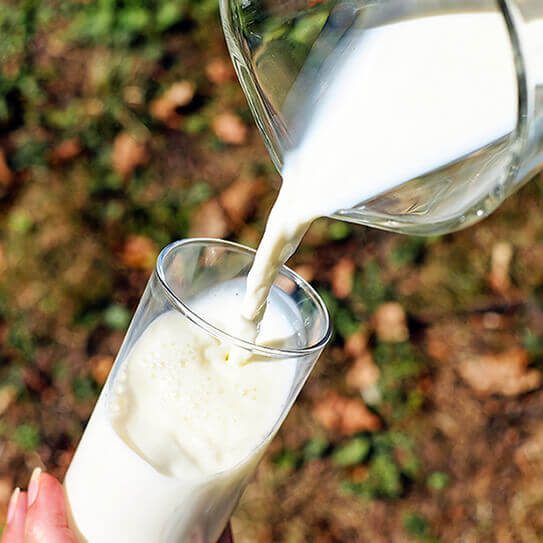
226	536
46	519
14	531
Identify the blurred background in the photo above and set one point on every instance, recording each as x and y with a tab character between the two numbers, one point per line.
122	128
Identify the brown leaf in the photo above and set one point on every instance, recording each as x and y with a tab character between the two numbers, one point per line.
306	271
529	456
100	367
363	374
8	394
499	279
6	488
219	71
34	379
3	263
240	199
139	252
345	416
391	323
356	344
504	373
133	95
6	175
128	154
230	129
342	277
209	221
164	108
66	151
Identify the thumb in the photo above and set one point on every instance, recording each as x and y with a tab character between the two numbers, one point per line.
46	520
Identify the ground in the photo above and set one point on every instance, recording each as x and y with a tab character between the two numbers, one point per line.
122	129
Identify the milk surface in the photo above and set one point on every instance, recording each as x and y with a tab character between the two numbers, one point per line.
180	430
395	102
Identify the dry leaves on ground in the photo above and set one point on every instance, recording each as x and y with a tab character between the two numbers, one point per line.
209	220
219	71
6	488
100	367
499	277
306	271
529	456
65	151
356	344
342	278
8	394
6	175
240	199
504	373
139	252
128	153
390	323
164	108
345	416
229	128
363	374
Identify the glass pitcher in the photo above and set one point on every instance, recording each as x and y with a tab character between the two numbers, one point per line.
287	54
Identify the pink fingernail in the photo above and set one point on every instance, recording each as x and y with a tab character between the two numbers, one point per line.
13	504
34	486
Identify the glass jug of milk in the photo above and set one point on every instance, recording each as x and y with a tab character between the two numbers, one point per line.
416	116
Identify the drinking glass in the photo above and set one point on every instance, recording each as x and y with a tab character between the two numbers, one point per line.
113	493
287	53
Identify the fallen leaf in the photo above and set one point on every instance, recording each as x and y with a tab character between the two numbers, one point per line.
504	373
342	277
499	278
344	415
34	379
390	323
240	199
219	71
164	108
133	95
8	394
6	175
356	344
306	271
529	456
209	221
139	252
230	129
128	154
3	263
363	374
64	458
66	151
100	367
6	488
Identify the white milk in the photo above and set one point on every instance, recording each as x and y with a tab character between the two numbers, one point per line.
181	430
407	98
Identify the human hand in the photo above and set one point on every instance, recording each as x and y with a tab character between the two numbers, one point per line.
39	515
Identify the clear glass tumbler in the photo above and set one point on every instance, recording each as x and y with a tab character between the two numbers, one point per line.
171	444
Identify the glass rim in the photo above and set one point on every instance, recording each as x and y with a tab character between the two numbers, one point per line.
199	321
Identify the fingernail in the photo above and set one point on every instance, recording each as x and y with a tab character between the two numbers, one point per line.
13	504
34	486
